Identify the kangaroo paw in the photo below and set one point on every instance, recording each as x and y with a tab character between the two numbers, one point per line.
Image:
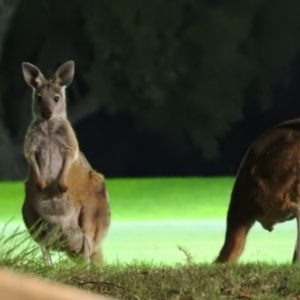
62	187
41	185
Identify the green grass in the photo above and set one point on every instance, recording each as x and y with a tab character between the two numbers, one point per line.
142	280
150	217
169	199
163	237
146	199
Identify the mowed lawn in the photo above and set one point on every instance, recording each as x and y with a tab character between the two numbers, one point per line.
152	217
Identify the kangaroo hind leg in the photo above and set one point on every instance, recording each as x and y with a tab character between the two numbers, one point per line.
296	209
239	222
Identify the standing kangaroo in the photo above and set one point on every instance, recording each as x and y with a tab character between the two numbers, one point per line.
64	196
267	189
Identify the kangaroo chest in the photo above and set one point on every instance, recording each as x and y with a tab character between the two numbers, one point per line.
50	155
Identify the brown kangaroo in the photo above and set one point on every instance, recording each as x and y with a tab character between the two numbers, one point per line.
64	196
267	189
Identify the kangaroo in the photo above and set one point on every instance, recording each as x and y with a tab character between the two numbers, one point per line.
66	201
267	189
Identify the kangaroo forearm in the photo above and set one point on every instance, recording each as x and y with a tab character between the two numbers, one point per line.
33	163
68	160
41	185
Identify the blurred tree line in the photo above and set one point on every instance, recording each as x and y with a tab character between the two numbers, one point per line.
186	70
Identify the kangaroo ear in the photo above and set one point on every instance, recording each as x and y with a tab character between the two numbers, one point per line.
65	73
32	75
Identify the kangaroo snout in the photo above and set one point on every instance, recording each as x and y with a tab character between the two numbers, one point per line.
46	113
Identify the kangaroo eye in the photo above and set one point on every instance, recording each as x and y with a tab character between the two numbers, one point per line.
38	98
56	98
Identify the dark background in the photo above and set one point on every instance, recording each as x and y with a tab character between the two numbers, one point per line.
162	88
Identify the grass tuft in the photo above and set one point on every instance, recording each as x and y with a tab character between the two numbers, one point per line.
147	280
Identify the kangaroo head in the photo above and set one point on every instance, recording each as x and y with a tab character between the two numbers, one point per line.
49	100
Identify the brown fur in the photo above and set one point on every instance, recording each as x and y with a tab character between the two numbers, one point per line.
267	189
62	191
